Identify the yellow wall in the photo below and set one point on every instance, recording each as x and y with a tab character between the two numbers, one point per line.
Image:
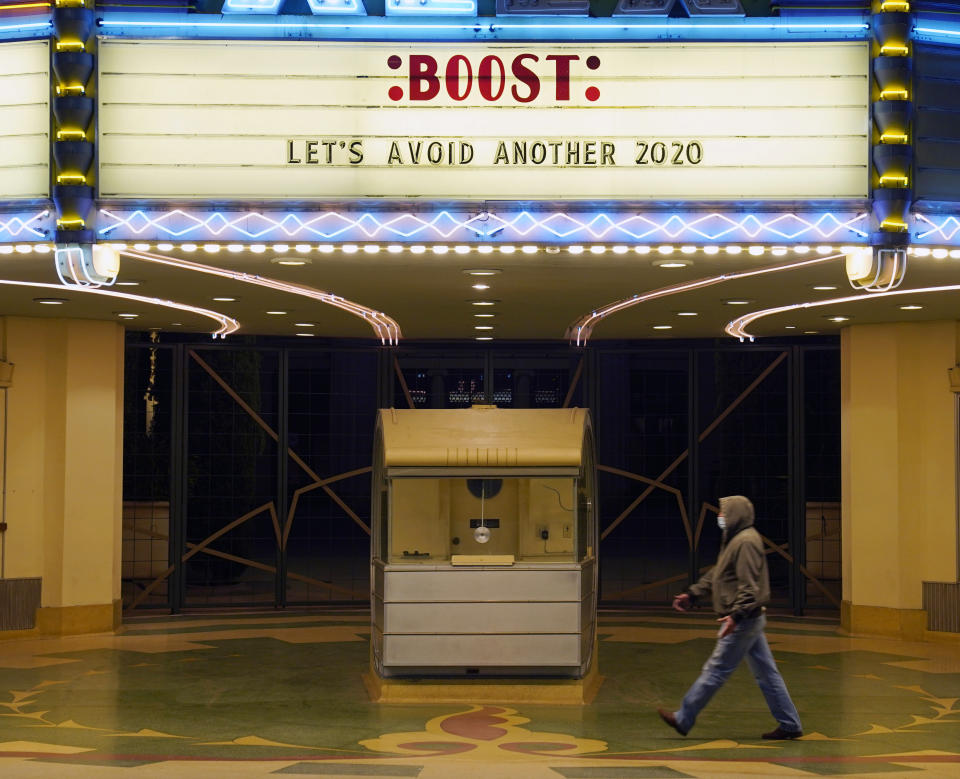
898	466
64	464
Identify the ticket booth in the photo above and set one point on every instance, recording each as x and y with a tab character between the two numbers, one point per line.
484	555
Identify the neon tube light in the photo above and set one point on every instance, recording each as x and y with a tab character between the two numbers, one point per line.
581	330
32	224
737	328
384	326
947	229
21	6
227	324
28	26
448	225
482	24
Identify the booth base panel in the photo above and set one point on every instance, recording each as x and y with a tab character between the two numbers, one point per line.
474	691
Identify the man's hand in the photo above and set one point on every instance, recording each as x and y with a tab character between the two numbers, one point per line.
727	627
682	602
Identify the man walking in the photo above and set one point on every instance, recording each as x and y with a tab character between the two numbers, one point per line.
740	585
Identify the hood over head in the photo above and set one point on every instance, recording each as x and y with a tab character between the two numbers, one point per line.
738	512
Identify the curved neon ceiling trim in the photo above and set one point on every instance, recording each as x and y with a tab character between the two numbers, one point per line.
737	327
227	324
385	327
581	330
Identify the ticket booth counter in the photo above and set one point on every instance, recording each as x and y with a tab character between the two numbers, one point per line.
484	543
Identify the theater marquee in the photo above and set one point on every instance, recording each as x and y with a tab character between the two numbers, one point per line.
547	121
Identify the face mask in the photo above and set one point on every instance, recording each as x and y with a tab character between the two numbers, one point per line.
721	521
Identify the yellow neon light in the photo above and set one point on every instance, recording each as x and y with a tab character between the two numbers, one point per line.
894	181
894	94
894	225
18	6
70	222
76	89
894	138
894	5
70	3
66	178
70	45
63	135
894	50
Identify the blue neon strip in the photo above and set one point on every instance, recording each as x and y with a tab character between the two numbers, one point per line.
551	227
26	30
937	35
847	27
27	226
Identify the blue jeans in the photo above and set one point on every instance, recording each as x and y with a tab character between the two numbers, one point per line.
746	639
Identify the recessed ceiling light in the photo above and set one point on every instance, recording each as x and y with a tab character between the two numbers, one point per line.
142	247
711	249
641	249
810	332
188	247
824	287
484	316
737	302
687	313
462	249
789	327
939	254
778	251
306	335
507	249
838	318
663	327
801	249
911	307
176	324
483	327
225	300
665	249
50	301
756	251
485	249
281	248
484	338
292	261
598	249
302	248
954	254
118	246
552	250
575	249
6	249
484	302
529	249
824	249
620	249
41	248
919	251
482	271
673	262
324	248
211	248
394	249
440	249
128	283
305	324
480	286
164	247
126	315
733	249
417	249
349	248
258	248
233	248
24	248
277	313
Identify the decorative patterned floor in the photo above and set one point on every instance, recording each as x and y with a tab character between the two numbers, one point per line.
264	694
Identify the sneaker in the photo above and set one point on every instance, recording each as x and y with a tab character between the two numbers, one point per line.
671	720
781	735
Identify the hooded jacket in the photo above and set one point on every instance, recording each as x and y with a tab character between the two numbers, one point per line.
739	582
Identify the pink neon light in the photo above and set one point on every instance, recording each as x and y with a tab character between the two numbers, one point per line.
581	330
736	328
228	324
386	328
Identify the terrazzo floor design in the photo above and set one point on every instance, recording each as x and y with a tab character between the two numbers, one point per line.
281	693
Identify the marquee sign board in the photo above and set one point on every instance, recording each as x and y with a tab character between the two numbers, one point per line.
24	120
545	121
